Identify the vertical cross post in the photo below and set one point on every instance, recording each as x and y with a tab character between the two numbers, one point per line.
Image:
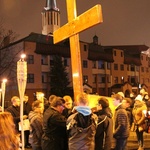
71	30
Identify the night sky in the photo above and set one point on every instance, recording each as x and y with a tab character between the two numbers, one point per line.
126	22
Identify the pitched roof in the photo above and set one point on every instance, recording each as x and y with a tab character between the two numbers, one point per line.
45	46
98	52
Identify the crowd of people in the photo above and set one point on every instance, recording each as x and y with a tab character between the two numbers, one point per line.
66	124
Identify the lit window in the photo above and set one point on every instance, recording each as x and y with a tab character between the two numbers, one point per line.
85	79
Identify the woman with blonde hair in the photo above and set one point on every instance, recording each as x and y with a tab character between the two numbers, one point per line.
9	139
139	119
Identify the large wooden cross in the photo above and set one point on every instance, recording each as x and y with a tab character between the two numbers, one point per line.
71	30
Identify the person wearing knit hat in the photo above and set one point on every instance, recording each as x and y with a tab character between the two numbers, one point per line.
104	102
139	119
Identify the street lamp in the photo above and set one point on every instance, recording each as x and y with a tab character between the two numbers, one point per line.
0	97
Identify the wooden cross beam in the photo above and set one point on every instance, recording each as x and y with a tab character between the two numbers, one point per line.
71	30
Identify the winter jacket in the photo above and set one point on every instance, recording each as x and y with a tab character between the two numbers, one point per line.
54	127
36	128
121	123
15	112
138	115
104	132
81	128
26	108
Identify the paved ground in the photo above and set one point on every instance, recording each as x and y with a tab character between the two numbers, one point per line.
132	142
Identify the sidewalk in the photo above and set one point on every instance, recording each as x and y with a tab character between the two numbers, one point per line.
133	144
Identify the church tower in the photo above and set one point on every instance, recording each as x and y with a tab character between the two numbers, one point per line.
50	18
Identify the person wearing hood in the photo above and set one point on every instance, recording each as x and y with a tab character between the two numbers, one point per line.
121	123
81	125
36	125
104	132
139	119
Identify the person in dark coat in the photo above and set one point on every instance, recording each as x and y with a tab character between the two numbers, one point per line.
104	132
127	102
36	125
14	109
54	127
121	123
26	109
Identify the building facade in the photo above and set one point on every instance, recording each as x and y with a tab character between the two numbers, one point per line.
105	69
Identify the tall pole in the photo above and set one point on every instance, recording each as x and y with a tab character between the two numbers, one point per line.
3	86
1	98
22	79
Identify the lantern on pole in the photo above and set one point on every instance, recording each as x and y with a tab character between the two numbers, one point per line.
0	97
3	88
22	80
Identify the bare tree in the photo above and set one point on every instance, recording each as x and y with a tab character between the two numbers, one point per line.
8	53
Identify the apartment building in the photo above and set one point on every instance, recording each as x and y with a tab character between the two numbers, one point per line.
105	69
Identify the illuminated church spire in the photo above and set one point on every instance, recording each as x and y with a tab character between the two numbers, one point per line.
50	17
51	5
